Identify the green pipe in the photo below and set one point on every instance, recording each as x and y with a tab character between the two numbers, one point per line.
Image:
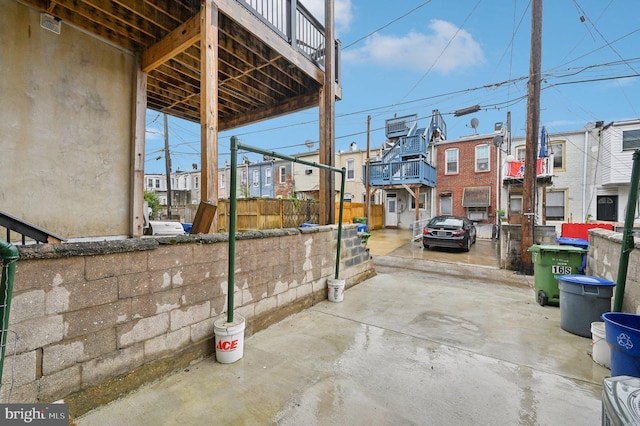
10	256
235	146
627	236
344	173
232	227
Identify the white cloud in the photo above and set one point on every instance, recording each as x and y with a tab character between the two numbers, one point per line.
442	50
342	13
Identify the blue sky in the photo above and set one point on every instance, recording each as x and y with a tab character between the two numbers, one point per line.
411	57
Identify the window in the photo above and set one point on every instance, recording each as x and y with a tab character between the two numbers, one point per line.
243	180
283	175
422	202
515	204
223	182
158	183
555	205
196	182
351	165
185	182
446	205
256	177
149	183
451	158
557	149
267	176
482	158
521	153
477	213
630	139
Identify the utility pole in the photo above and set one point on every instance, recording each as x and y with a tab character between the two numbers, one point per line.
531	148
366	176
167	164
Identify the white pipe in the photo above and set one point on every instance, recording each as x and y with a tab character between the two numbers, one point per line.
584	175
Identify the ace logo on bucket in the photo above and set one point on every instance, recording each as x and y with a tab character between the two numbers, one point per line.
227	345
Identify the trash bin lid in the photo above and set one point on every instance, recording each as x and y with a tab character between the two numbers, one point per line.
556	248
585	280
578	242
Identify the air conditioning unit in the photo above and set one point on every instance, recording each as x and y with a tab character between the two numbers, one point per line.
620	398
483	167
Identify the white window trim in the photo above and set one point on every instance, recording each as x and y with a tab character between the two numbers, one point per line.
446	161
424	203
267	177
283	174
488	166
351	169
256	178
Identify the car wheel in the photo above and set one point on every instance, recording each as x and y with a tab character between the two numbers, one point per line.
426	246
467	246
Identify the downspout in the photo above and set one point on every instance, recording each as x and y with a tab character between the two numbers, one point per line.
627	236
10	256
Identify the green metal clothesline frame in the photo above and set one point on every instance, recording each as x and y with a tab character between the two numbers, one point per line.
235	146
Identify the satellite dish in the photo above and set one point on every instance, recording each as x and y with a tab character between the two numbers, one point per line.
474	125
309	143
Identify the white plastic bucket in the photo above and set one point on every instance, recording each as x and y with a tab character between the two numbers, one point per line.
229	339
600	351
335	290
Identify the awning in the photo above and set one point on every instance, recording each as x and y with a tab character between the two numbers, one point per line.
476	196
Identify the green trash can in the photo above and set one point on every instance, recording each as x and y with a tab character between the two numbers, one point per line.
359	220
550	262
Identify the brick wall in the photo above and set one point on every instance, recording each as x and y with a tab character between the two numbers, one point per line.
96	320
467	175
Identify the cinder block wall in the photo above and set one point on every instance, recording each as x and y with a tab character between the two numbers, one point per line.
603	261
93	321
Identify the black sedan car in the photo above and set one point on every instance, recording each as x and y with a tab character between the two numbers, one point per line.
449	231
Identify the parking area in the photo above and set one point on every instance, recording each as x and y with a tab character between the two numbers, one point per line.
400	243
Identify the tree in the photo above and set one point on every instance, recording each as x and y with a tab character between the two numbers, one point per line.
152	201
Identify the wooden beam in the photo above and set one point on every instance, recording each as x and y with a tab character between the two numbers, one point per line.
174	43
209	105
137	150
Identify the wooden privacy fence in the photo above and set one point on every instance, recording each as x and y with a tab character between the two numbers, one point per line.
270	213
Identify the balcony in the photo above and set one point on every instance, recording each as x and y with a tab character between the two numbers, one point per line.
514	170
410	172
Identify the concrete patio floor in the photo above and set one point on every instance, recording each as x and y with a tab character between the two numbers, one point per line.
423	342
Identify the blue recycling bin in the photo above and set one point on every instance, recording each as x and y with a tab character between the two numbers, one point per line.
623	337
362	227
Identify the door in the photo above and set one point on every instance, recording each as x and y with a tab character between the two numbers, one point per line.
391	211
607	208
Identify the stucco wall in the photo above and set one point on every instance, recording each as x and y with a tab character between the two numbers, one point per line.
95	320
603	261
65	127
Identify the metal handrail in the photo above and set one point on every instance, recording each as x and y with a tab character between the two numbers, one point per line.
10	256
295	24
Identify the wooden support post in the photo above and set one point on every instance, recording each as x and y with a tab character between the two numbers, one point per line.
327	117
137	151
209	105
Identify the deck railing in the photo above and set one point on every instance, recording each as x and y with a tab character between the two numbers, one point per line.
294	23
399	172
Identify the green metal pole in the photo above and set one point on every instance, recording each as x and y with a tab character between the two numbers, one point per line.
235	145
343	172
10	256
627	236
232	227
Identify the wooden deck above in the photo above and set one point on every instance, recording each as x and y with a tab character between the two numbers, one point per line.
269	58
